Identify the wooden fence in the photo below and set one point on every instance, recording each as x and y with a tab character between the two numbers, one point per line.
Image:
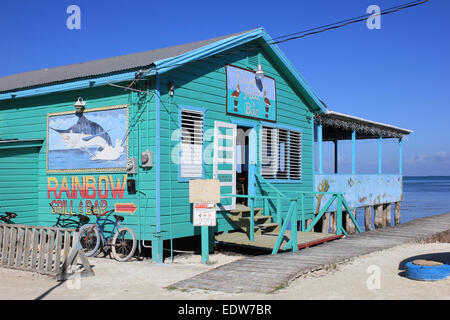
32	248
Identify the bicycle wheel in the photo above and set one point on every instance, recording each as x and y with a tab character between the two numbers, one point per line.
90	240
123	244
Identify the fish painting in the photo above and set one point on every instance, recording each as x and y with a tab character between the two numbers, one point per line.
94	139
86	134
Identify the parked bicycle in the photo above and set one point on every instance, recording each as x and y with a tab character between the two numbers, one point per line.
68	222
6	218
119	241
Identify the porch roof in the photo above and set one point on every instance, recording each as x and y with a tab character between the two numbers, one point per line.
339	126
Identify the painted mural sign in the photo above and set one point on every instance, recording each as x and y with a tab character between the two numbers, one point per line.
247	97
84	194
95	140
359	190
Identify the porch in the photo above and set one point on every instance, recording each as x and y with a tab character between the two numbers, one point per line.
362	191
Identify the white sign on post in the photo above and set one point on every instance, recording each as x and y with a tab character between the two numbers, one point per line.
204	215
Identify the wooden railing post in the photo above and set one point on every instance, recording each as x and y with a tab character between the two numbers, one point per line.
252	219
294	226
302	202
279	218
339	215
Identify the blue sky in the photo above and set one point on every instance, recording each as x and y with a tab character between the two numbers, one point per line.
398	75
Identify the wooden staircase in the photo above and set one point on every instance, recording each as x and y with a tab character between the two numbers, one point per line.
241	217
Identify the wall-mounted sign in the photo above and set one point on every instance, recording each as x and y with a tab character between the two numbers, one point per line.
81	194
95	140
247	97
204	214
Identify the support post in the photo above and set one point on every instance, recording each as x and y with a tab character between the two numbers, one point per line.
349	225
353	152
388	215
339	215
294	226
333	222
319	140
326	222
157	248
379	155
378	216
368	218
336	156
205	244
397	213
400	155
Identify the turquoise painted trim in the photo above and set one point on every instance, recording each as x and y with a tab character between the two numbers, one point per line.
379	155
158	154
157	249
203	111
205	244
206	51
319	141
353	152
73	85
229	43
253	160
21	144
400	156
252	152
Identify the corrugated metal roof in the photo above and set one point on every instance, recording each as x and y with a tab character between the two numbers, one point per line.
94	68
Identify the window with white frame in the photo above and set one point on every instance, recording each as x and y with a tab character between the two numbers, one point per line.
191	144
281	153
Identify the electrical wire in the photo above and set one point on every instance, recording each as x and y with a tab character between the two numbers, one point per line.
347	22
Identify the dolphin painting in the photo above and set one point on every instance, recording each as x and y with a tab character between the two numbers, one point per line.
87	134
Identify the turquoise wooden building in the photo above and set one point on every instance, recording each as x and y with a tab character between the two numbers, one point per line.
231	108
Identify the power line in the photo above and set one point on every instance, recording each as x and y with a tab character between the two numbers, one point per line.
400	7
346	22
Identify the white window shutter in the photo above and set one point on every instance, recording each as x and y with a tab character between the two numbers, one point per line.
191	162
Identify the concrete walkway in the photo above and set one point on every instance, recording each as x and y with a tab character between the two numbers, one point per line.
268	273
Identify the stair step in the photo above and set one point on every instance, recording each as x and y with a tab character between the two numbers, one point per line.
268	227
256	218
245	209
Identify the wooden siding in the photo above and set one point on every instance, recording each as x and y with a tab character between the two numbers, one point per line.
200	84
19	182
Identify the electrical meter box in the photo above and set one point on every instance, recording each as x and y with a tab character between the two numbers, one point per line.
131	166
147	159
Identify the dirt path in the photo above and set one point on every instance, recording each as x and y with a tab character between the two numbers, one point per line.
374	276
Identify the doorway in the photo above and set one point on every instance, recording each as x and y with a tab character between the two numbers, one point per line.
242	163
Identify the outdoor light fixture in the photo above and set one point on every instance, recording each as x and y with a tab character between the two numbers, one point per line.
171	88
80	105
259	75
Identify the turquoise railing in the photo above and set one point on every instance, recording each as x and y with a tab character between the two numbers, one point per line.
340	201
296	200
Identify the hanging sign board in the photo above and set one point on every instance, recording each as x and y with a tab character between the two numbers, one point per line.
204	214
204	191
247	97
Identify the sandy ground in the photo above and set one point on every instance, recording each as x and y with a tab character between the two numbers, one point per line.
373	276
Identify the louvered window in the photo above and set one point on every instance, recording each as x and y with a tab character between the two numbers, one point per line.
295	155
191	144
269	152
281	154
